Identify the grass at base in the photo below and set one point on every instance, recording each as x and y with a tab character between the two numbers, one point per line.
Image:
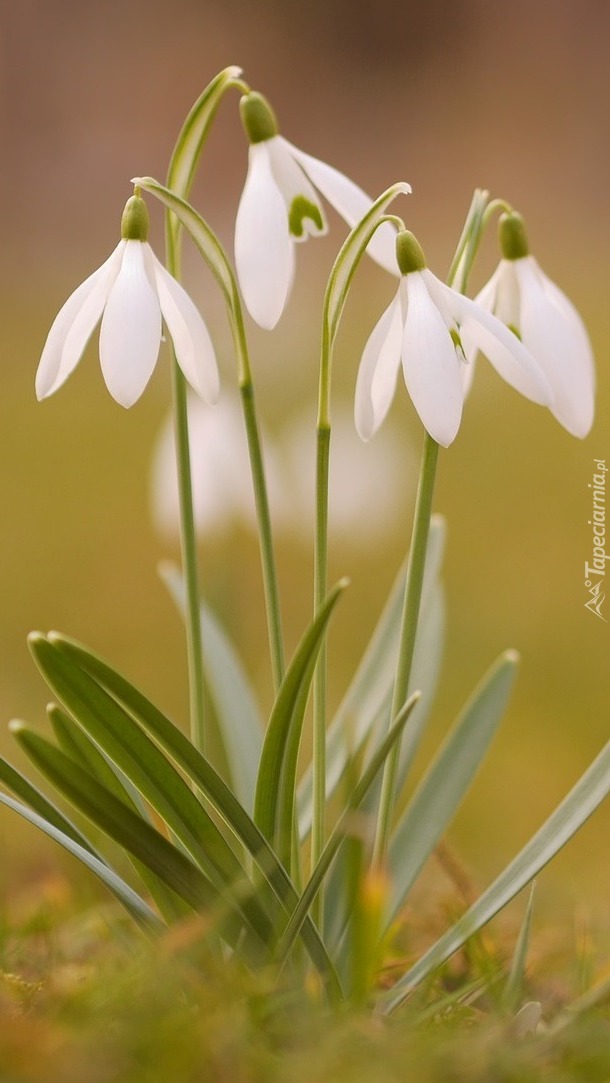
84	997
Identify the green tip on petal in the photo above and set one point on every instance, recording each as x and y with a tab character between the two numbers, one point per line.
258	118
134	223
512	236
409	253
302	208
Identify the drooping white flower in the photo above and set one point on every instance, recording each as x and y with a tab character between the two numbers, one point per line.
132	293
525	299
434	331
280	205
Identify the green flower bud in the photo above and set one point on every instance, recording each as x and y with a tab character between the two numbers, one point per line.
134	223
512	236
409	253
257	117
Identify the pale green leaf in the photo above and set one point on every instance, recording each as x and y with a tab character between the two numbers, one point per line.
274	806
446	781
591	789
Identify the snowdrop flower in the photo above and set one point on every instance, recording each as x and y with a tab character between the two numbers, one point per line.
280	205
427	327
131	292
547	323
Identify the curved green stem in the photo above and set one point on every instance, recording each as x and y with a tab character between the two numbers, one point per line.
408	632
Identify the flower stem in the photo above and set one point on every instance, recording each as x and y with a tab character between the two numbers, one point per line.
408	632
319	687
270	584
194	645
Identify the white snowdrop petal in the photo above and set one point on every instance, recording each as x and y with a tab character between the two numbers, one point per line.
352	203
376	381
264	252
430	364
74	325
130	334
192	342
480	330
555	334
507	306
294	184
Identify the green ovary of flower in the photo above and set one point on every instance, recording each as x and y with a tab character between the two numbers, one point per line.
300	209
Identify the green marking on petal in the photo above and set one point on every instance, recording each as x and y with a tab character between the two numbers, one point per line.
134	223
512	236
457	342
300	209
515	330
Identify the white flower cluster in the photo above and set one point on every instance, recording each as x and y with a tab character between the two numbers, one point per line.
521	321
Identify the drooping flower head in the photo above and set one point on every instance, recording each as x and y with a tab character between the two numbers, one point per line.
543	318
280	206
434	332
132	293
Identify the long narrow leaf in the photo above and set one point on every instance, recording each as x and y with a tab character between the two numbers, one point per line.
209	782
77	744
136	906
274	804
156	778
241	730
590	790
118	821
23	788
442	789
341	829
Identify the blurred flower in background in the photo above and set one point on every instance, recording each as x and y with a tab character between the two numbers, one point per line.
369	486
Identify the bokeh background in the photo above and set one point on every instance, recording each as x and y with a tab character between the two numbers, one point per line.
447	95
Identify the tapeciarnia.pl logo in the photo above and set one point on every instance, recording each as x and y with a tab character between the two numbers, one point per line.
595	571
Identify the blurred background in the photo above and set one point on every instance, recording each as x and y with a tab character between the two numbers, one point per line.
448	96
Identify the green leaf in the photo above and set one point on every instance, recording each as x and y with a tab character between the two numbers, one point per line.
44	809
365	707
442	789
122	740
77	744
136	906
274	805
118	821
513	990
209	782
240	726
342	829
564	822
